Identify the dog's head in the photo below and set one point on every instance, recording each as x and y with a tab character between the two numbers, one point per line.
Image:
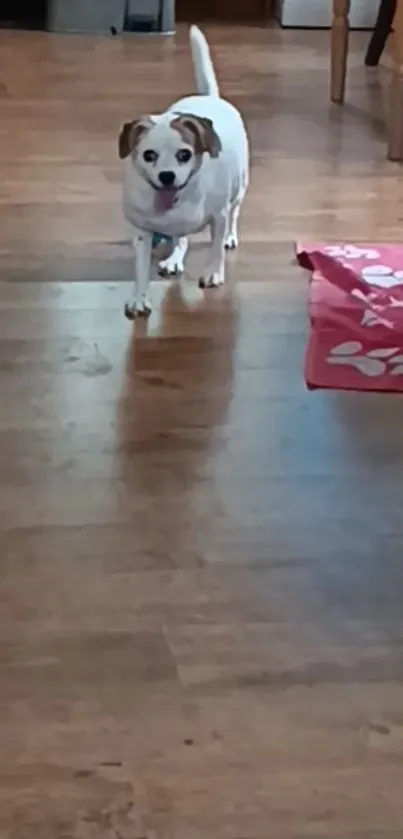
168	154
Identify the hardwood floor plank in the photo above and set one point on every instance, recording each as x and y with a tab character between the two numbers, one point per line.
200	562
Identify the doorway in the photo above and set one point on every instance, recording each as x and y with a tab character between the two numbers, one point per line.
222	11
18	14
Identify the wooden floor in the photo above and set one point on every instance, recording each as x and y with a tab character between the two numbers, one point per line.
201	590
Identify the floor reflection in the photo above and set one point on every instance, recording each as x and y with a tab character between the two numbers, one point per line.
172	408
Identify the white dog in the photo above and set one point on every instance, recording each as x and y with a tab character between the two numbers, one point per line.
183	171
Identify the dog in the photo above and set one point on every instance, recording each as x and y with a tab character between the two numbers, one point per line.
183	171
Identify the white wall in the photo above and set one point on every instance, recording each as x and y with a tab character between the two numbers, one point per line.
144	7
318	13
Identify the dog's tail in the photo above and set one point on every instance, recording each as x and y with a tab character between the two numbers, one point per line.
206	82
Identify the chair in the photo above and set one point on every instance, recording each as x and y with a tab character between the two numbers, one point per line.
339	53
382	30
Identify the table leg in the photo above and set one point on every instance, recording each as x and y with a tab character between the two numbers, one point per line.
339	50
395	131
383	26
395	128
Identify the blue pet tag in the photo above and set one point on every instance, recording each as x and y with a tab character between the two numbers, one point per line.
159	239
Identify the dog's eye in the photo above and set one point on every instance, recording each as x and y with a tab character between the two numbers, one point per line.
183	155
150	156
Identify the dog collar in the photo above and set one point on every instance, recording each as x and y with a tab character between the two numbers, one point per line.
159	239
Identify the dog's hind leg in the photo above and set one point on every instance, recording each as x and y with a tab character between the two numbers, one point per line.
174	265
231	238
213	275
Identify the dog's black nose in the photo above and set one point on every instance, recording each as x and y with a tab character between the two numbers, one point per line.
167	178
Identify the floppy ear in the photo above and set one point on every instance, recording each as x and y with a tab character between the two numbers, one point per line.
130	135
201	129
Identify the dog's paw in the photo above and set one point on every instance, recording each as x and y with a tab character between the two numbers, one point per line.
138	308
212	280
231	242
171	267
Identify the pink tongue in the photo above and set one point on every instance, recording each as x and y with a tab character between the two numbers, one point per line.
164	199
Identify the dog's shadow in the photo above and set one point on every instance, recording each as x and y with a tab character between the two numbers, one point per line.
173	408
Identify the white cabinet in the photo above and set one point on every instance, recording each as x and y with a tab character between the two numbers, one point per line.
314	14
102	17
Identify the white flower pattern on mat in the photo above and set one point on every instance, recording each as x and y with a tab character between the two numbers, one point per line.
351	252
372	316
381	276
375	362
369	319
378	277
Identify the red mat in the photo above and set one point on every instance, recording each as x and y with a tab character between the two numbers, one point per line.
356	316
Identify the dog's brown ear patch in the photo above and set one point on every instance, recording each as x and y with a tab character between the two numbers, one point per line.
198	132
130	135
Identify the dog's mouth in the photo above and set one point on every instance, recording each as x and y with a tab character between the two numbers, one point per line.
165	198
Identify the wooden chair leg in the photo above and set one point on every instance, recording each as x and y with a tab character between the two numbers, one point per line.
339	50
395	129
381	32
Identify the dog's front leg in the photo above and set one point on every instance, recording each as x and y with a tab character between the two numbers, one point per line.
140	303
213	276
174	264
